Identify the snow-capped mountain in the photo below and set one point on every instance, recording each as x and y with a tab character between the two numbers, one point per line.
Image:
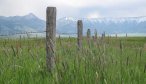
69	24
108	25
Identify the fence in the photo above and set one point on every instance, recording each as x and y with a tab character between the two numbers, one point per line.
21	33
51	36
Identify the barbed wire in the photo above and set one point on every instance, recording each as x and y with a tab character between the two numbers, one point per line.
17	33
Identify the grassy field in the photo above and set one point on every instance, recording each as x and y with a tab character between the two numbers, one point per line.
107	61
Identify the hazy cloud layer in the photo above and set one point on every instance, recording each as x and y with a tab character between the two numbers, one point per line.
75	8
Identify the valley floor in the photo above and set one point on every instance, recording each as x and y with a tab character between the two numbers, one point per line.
100	61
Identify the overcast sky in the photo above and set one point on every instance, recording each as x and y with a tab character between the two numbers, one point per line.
75	8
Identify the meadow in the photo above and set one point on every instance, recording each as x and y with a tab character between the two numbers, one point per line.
109	60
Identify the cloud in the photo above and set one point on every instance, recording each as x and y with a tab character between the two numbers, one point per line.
94	15
75	8
89	3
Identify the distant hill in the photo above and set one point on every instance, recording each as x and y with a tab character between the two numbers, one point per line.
68	24
21	24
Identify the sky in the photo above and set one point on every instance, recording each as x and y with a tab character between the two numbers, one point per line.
75	8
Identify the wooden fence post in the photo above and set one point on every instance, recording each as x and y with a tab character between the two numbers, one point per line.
89	37
88	34
116	36
95	32
103	35
80	33
50	37
126	35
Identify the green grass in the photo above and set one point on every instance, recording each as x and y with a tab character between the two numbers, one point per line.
107	61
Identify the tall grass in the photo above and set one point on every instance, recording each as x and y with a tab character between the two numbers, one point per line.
105	61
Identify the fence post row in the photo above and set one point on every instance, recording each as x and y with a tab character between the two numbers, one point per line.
50	37
80	33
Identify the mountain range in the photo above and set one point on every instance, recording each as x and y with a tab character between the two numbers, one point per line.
17	24
31	23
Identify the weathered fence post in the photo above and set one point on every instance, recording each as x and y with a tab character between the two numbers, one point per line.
108	39
88	34
95	33
89	37
116	35
80	33
50	37
103	35
60	40
126	35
